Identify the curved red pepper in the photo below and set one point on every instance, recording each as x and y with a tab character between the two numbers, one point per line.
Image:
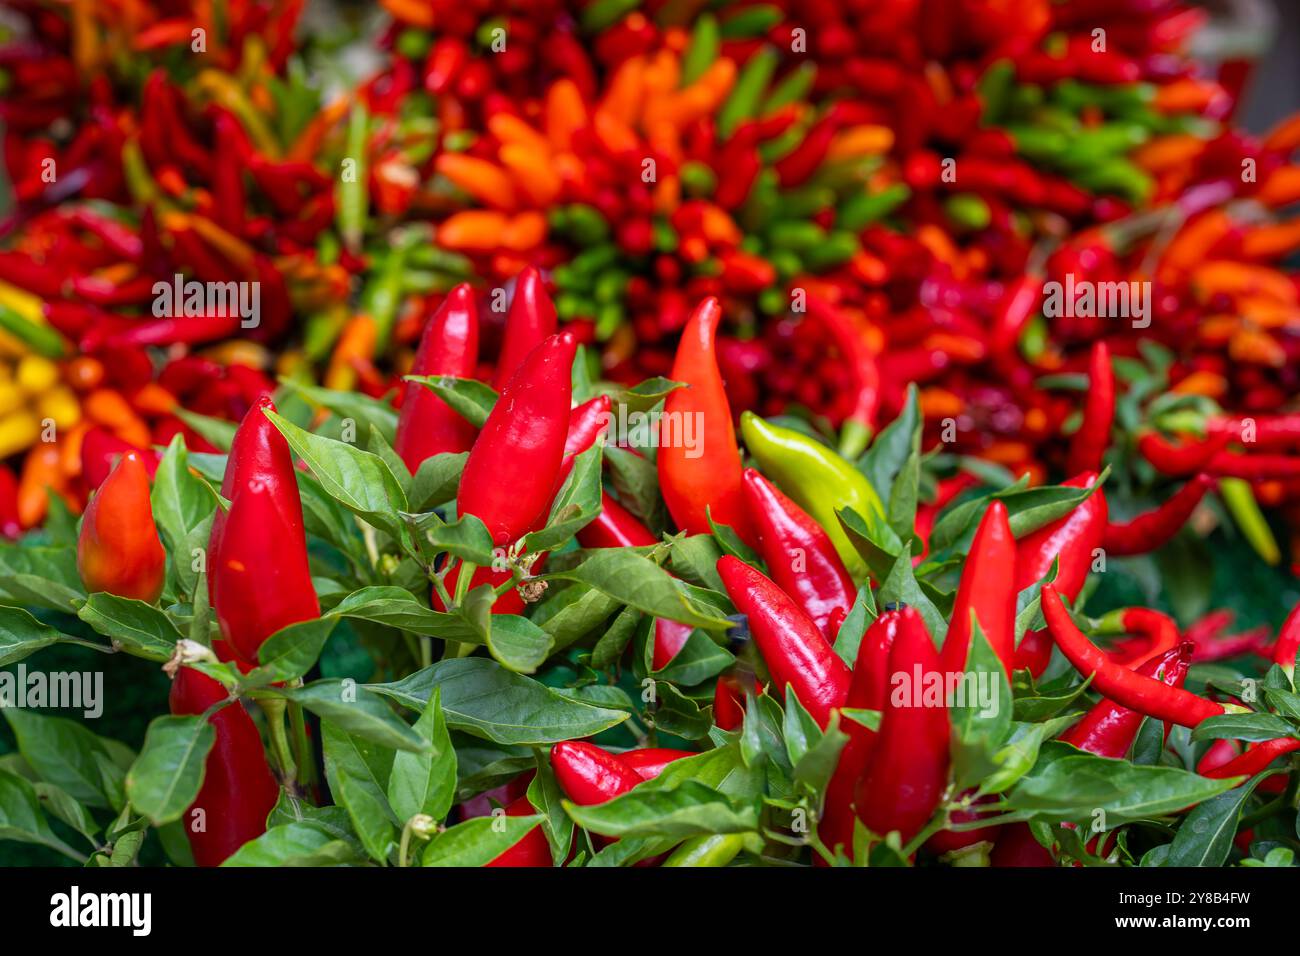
1126	687
796	653
1288	641
1090	442
1155	528
118	550
1178	460
259	580
615	527
868	690
238	789
589	775
1154	634
530	321
729	702
1073	537
706	476
1253	760
1109	729
427	425
798	553
985	589
1034	652
907	771
509	479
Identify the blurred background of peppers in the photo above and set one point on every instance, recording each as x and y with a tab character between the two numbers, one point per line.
907	174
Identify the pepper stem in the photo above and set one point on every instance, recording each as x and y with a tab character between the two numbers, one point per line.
302	747
274	708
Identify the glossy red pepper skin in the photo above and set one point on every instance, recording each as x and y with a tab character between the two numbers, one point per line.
907	770
238	789
426	425
1179	460
259	580
868	690
1074	538
1034	652
530	321
1117	682
1255	759
1090	442
509	478
1154	633
650	762
795	651
986	589
729	702
118	549
615	527
1288	642
531	851
703	480
1109	729
1016	847
1155	528
589	775
100	449
587	423
798	554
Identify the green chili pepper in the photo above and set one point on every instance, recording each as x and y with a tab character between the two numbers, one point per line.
698	179
1240	501
353	197
715	849
994	89
864	208
818	480
585	224
773	149
413	44
41	339
605	13
804	202
837	248
666	239
763	198
748	91
702	51
429	256
799	235
968	211
1118	176
751	22
794	88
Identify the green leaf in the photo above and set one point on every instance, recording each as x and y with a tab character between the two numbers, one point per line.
358	711
22	635
815	765
21	818
888	454
468	397
1206	834
182	502
614	641
437	480
291	651
576	505
980	713
215	431
358	771
901	585
467	538
518	643
855	625
637	482
638	582
482	698
166	777
295	844
63	752
544	794
399	608
694	558
479	841
356	479
140	629
685	810
1254	727
426	782
43	577
698	660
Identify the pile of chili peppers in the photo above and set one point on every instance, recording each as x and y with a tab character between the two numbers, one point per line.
839	661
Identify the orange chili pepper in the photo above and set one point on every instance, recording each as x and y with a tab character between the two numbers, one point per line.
565	113
1257	347
356	344
152	399
511	130
475	230
1237	278
1285	136
84	372
525	231
1168	152
1187	95
1271	241
614	135
412	11
532	172
1281	188
1194	241
41	473
862	140
482	179
1210	384
626	90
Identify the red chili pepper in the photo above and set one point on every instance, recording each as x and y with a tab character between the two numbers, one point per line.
509	479
699	460
1133	690
1155	634
238	789
1266	431
798	166
1073	538
729	702
798	553
589	775
427	425
1017	305
1034	652
529	322
796	653
1090	442
1016	847
985	590
587	423
533	849
1109	729
1288	641
1151	530
10	526
1253	760
1229	464
649	762
907	771
615	527
259	580
868	690
1186	458
859	360
100	449
118	550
